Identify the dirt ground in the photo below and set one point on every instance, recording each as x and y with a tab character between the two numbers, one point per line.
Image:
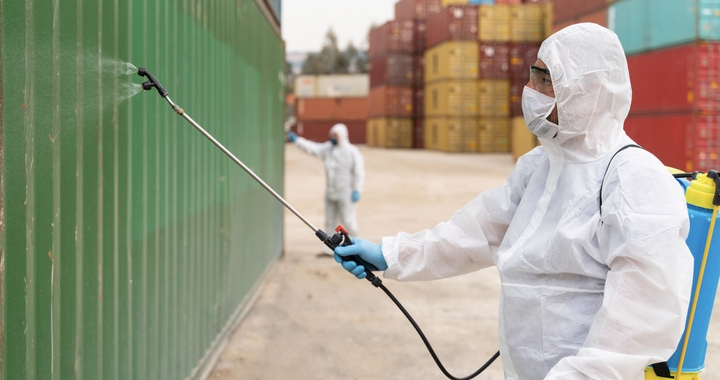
313	320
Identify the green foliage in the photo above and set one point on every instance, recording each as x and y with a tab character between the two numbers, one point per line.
332	60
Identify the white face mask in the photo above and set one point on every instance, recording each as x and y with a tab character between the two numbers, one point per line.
536	108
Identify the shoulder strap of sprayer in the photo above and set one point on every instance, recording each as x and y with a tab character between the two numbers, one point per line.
661	369
608	168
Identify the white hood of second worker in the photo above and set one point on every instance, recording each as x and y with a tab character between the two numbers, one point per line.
342	133
592	88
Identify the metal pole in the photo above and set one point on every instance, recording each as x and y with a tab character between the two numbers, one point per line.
240	163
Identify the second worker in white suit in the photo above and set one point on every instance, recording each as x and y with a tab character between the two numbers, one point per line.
345	173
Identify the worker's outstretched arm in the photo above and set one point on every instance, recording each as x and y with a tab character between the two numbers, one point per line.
469	241
641	240
316	149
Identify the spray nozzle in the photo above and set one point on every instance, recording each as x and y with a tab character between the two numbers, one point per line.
152	82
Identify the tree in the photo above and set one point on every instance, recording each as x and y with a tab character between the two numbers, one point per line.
331	60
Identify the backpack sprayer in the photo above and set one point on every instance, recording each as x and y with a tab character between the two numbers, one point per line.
339	238
702	194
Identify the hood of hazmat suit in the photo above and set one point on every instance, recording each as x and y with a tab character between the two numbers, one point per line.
588	291
344	165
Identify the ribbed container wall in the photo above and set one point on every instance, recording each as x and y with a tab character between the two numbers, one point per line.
129	243
645	25
692	87
686	141
674	118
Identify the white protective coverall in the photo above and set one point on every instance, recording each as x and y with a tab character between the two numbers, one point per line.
345	173
585	294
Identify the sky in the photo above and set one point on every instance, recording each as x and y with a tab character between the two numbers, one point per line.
305	22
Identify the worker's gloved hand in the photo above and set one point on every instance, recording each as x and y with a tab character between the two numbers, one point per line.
368	251
292	137
355	196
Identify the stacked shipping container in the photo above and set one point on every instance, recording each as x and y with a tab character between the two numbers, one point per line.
467	57
450	104
674	62
392	75
468	109
325	100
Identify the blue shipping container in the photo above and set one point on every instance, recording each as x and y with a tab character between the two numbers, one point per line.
645	25
481	2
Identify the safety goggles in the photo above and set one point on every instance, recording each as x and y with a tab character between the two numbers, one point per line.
541	79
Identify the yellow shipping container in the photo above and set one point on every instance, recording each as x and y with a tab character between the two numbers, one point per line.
530	22
451	134
493	97
445	3
390	132
523	140
451	98
375	132
494	23
452	60
493	135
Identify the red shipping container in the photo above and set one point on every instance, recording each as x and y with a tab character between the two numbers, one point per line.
418	70
494	60
392	70
319	131
420	37
687	142
599	17
564	10
331	109
516	90
406	10
457	22
391	37
418	135
522	56
419	102
390	101
679	79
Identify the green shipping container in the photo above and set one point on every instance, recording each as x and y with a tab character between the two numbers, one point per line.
130	245
644	25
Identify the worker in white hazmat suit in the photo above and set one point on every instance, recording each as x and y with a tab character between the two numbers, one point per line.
588	237
345	173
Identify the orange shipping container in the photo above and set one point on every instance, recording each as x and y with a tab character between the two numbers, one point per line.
329	109
390	101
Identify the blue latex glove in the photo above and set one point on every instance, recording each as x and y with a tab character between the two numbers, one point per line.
292	137
367	250
355	196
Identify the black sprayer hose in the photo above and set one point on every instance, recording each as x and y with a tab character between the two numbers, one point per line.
378	284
